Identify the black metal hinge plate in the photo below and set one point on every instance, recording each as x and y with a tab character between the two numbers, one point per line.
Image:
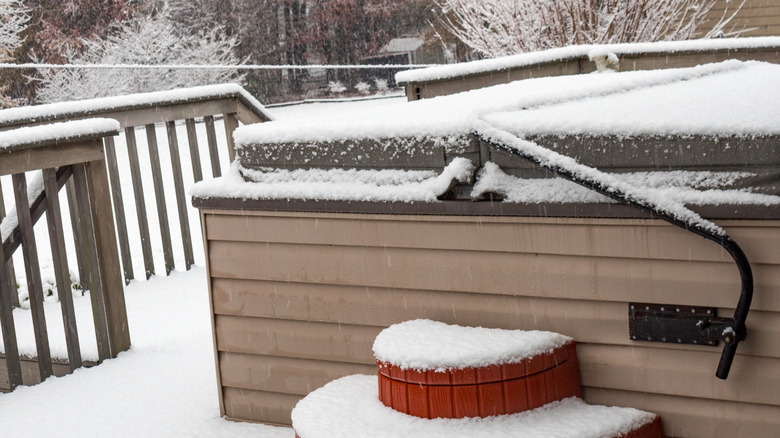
675	324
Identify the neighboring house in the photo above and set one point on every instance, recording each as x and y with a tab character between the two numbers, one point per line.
762	17
402	51
330	229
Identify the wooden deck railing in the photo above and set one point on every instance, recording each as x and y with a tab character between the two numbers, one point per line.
146	110
89	170
63	158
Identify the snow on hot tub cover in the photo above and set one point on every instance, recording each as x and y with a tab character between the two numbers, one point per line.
731	97
727	98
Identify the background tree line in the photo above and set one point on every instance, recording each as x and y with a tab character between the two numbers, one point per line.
298	32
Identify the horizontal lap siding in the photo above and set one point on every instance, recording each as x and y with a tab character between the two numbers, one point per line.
299	298
763	15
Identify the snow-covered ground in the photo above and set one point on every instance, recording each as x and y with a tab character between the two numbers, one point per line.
165	385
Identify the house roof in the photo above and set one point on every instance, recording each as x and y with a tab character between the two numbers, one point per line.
402	45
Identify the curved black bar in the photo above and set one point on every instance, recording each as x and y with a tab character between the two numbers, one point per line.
745	272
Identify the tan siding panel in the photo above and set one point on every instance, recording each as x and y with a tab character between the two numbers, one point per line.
283	374
265	407
762	14
318	341
303	302
662	368
676	372
587	321
697	418
499	273
594	237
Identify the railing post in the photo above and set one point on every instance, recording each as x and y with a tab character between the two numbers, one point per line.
108	264
7	326
230	120
10	278
107	284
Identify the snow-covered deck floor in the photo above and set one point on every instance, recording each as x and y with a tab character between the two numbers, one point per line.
165	386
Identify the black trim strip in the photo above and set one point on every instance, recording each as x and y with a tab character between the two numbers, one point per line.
480	208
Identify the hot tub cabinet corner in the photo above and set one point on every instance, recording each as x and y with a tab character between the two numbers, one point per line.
298	296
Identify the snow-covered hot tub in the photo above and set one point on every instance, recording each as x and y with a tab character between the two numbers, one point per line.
329	230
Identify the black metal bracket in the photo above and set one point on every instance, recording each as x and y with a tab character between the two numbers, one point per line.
679	324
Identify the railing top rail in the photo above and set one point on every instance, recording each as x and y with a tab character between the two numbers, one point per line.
119	106
33	137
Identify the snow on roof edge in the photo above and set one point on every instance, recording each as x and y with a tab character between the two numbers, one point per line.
12	116
448	71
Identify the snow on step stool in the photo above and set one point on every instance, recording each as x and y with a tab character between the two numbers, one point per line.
433	370
349	407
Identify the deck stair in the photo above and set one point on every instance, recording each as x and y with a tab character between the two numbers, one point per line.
445	380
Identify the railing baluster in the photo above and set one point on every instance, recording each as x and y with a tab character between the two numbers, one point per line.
10	272
192	137
140	203
159	196
61	272
211	136
119	208
181	201
91	253
82	262
12	364
231	123
33	270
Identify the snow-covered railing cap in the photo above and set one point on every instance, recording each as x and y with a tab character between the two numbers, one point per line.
56	133
585	52
425	345
251	109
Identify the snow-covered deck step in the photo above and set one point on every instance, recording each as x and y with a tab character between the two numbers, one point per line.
434	370
350	407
